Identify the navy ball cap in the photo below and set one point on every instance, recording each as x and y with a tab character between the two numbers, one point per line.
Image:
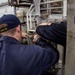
10	21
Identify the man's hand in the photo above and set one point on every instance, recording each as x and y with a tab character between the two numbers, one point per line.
36	36
45	24
24	35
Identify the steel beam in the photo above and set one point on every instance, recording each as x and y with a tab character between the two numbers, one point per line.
70	52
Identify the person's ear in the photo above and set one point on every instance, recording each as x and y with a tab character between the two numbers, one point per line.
18	28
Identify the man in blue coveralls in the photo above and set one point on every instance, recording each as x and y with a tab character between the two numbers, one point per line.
19	59
55	32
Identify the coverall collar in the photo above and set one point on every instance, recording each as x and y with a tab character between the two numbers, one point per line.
9	39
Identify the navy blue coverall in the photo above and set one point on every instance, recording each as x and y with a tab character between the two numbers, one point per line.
55	32
18	59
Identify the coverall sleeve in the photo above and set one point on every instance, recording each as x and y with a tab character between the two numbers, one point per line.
48	54
55	32
36	58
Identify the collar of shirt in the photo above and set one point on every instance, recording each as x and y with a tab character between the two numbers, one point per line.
9	39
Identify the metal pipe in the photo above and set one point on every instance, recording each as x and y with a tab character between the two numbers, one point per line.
24	3
30	26
14	10
48	2
30	8
27	17
31	19
47	8
64	9
51	8
32	30
27	23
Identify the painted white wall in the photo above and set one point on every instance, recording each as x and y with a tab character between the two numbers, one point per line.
6	10
2	1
